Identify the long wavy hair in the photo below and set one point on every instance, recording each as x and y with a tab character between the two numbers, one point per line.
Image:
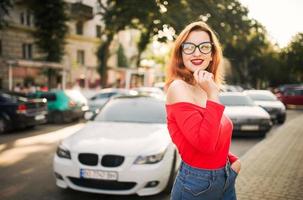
176	68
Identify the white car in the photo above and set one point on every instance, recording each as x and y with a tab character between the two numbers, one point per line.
267	100
247	117
125	149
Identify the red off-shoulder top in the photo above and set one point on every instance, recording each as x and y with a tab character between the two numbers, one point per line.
202	135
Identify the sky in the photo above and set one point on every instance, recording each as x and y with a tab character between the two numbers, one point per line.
281	18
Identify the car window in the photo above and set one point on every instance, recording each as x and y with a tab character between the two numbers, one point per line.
8	98
102	96
236	100
133	110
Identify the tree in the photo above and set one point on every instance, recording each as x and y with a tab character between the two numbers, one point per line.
4	10
50	22
122	60
120	15
293	57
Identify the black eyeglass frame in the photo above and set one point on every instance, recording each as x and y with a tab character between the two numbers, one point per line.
197	46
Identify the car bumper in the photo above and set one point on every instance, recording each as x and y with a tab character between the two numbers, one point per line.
132	179
251	129
22	120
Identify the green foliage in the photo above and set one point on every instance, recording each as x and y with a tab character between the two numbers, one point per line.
122	60
4	10
244	40
293	57
51	28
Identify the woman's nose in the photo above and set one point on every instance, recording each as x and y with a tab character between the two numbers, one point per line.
197	52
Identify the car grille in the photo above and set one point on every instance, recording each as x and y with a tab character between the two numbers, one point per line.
102	184
88	159
112	160
106	161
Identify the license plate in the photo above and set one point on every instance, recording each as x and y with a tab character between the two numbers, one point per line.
249	127
39	117
98	174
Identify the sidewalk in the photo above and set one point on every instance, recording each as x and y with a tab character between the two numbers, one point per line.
273	169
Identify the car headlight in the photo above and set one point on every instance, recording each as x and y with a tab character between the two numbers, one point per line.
63	152
149	159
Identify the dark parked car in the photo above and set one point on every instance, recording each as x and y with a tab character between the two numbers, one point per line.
267	100
247	117
291	96
17	112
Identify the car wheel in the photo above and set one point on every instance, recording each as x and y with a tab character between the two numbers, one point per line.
262	134
281	120
58	118
172	176
2	126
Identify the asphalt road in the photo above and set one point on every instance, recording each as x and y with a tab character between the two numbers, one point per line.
26	163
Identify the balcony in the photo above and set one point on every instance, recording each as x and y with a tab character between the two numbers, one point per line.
80	11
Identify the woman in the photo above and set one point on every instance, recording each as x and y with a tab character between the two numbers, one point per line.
196	122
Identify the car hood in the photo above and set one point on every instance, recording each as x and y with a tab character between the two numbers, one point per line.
119	138
270	104
246	112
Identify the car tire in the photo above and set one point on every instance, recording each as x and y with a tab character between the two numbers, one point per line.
58	118
172	176
2	126
262	134
281	120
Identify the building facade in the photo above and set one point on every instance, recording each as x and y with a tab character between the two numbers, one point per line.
20	59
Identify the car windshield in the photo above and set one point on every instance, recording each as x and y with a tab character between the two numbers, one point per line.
133	110
262	97
236	100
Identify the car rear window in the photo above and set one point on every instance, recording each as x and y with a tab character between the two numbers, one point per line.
133	110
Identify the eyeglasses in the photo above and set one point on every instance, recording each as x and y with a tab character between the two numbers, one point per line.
204	47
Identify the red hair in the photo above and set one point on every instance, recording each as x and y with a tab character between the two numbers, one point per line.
176	68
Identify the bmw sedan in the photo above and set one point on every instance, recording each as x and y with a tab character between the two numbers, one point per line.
270	103
125	149
247	117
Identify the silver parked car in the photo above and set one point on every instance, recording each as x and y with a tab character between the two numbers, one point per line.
247	117
270	103
98	100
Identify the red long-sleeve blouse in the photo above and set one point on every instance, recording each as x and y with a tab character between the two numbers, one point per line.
202	135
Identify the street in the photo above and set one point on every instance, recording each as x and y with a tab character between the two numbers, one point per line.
26	162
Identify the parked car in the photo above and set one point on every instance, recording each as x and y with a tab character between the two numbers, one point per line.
18	112
267	100
291	96
97	101
247	117
231	88
125	149
150	90
63	105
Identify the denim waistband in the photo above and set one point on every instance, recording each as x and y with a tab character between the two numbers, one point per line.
187	169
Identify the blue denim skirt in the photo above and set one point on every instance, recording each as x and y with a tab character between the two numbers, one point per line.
202	184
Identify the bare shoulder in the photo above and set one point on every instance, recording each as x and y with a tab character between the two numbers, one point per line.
178	91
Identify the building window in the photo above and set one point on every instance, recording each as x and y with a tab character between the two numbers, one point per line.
22	21
79	28
98	31
26	18
80	57
0	47
27	51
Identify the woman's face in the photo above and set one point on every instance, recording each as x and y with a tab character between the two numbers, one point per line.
197	51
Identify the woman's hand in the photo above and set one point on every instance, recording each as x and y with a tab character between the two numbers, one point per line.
206	81
236	166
